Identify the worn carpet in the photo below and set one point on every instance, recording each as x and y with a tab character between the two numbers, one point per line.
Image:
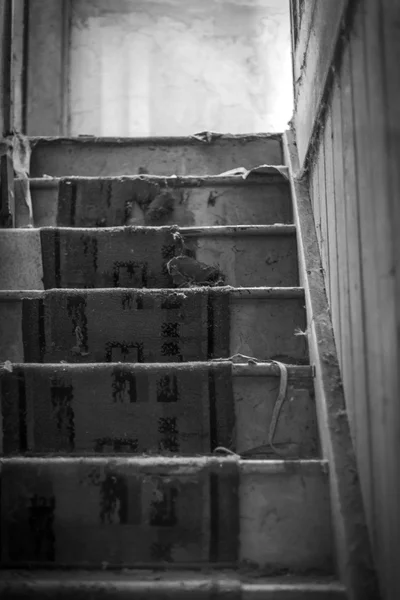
102	202
123	512
124	325
118	408
132	257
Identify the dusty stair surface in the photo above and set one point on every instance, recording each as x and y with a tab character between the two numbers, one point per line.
152	445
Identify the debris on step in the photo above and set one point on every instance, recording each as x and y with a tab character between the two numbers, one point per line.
6	367
259	170
289	450
21	157
160	207
155	208
80	348
186	271
206	136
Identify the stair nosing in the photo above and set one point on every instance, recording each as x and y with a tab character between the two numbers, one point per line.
242	293
195	181
123	141
268	466
275	229
261	369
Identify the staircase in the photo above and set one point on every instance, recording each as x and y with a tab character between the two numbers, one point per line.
158	415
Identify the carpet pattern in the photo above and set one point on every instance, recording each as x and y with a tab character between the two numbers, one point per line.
102	202
138	408
135	257
126	326
126	512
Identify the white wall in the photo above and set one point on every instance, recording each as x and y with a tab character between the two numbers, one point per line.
176	67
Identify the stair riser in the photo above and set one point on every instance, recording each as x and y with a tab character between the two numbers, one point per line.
58	405
95	157
122	258
125	513
191	205
114	330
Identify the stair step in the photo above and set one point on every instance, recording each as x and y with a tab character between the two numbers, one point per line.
146	200
113	325
132	512
137	257
91	156
189	409
184	585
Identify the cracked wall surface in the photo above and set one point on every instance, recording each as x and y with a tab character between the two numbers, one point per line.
174	67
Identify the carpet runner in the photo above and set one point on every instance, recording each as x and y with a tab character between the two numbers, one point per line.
134	257
126	325
137	408
121	512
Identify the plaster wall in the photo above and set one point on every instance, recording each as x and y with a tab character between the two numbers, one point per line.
175	67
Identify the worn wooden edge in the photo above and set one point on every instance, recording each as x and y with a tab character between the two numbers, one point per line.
254	293
203	231
175	182
154	140
244	369
304	33
171	581
330	20
354	555
313	467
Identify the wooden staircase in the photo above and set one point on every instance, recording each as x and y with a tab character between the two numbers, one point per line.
159	430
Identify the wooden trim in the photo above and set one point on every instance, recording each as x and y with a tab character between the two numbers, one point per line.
353	549
6	16
7	201
313	64
304	33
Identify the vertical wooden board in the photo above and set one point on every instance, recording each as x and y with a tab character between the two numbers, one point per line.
310	86
343	279
317	201
385	339
350	69
314	186
45	84
18	64
6	96
368	281
324	225
331	224
391	49
303	36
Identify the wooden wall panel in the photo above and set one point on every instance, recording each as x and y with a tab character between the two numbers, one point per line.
332	269
356	207
313	60
18	64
